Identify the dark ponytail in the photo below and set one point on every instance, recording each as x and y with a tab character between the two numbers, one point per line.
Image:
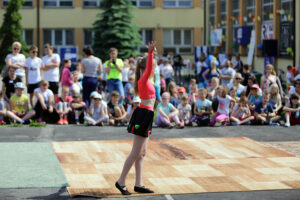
141	64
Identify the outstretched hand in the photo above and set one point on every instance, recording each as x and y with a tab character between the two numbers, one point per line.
151	46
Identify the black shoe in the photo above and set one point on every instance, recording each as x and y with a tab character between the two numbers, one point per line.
122	190
142	189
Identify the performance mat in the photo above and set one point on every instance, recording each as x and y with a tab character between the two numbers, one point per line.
30	165
178	166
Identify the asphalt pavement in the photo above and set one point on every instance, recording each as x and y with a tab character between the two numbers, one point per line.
85	133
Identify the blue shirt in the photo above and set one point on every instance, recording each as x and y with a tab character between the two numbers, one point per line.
127	88
260	109
203	105
255	100
166	109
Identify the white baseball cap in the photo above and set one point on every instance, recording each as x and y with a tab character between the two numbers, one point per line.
93	94
136	99
20	85
97	96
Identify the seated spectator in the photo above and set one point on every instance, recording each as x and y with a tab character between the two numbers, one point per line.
292	110
97	113
63	105
193	83
78	108
227	73
135	103
193	94
129	90
167	113
233	95
237	83
275	98
241	114
251	81
8	86
2	109
185	111
66	79
254	97
222	114
202	109
211	90
264	112
45	101
296	88
76	87
268	79
116	111
19	105
289	76
172	88
181	92
163	86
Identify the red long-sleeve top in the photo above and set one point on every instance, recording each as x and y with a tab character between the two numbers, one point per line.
145	87
66	79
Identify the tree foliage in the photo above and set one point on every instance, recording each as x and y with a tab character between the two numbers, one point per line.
11	30
114	28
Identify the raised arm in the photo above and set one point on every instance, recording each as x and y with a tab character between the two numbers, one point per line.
149	65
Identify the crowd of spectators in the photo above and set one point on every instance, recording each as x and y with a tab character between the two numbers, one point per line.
100	93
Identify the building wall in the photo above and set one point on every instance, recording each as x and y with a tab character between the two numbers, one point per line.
297	50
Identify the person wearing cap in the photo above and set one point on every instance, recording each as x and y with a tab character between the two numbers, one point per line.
135	103
97	113
181	92
78	108
255	96
45	102
19	104
63	105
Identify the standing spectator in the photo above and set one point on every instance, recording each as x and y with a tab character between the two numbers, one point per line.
33	68
227	74
201	67
19	105
125	72
246	74
167	71
237	83
17	60
51	62
66	79
238	64
157	82
268	79
289	76
228	58
91	66
177	59
8	86
211	72
114	68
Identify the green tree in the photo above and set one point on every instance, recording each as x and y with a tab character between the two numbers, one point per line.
11	30
114	28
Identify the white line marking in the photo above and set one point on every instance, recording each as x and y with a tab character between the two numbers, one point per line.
169	197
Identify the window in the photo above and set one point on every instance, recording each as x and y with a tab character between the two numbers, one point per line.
147	35
223	18
28	36
27	3
211	12
58	3
267	10
143	3
59	37
250	11
178	41
177	3
235	24
88	36
91	3
287	6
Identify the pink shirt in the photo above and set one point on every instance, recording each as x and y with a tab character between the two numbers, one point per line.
66	78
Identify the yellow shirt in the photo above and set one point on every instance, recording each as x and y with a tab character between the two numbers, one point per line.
114	73
19	103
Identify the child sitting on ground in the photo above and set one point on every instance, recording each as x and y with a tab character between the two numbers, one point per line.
241	113
222	114
2	109
167	113
185	111
292	111
255	96
264	112
275	98
19	105
97	111
76	86
116	111
78	108
63	106
202	109
174	99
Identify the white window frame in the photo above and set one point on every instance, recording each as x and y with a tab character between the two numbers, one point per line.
6	1
58	4
177	4
93	35
182	45
24	35
139	3
63	37
143	38
97	3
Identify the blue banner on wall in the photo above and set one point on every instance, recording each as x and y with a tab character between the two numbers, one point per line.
243	35
68	53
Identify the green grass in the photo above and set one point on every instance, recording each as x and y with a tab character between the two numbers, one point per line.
14	125
36	124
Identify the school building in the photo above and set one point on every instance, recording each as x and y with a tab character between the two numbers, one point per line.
176	25
276	21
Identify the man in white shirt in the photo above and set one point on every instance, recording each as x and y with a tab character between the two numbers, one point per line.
51	62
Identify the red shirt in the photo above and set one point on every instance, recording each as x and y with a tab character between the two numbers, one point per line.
145	87
59	99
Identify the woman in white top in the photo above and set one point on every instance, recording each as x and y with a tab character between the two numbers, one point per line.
237	83
17	60
51	62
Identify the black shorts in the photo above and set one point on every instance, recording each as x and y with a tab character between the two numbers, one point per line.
53	86
141	122
31	87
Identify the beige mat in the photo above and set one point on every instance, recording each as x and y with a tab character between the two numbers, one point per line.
178	166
